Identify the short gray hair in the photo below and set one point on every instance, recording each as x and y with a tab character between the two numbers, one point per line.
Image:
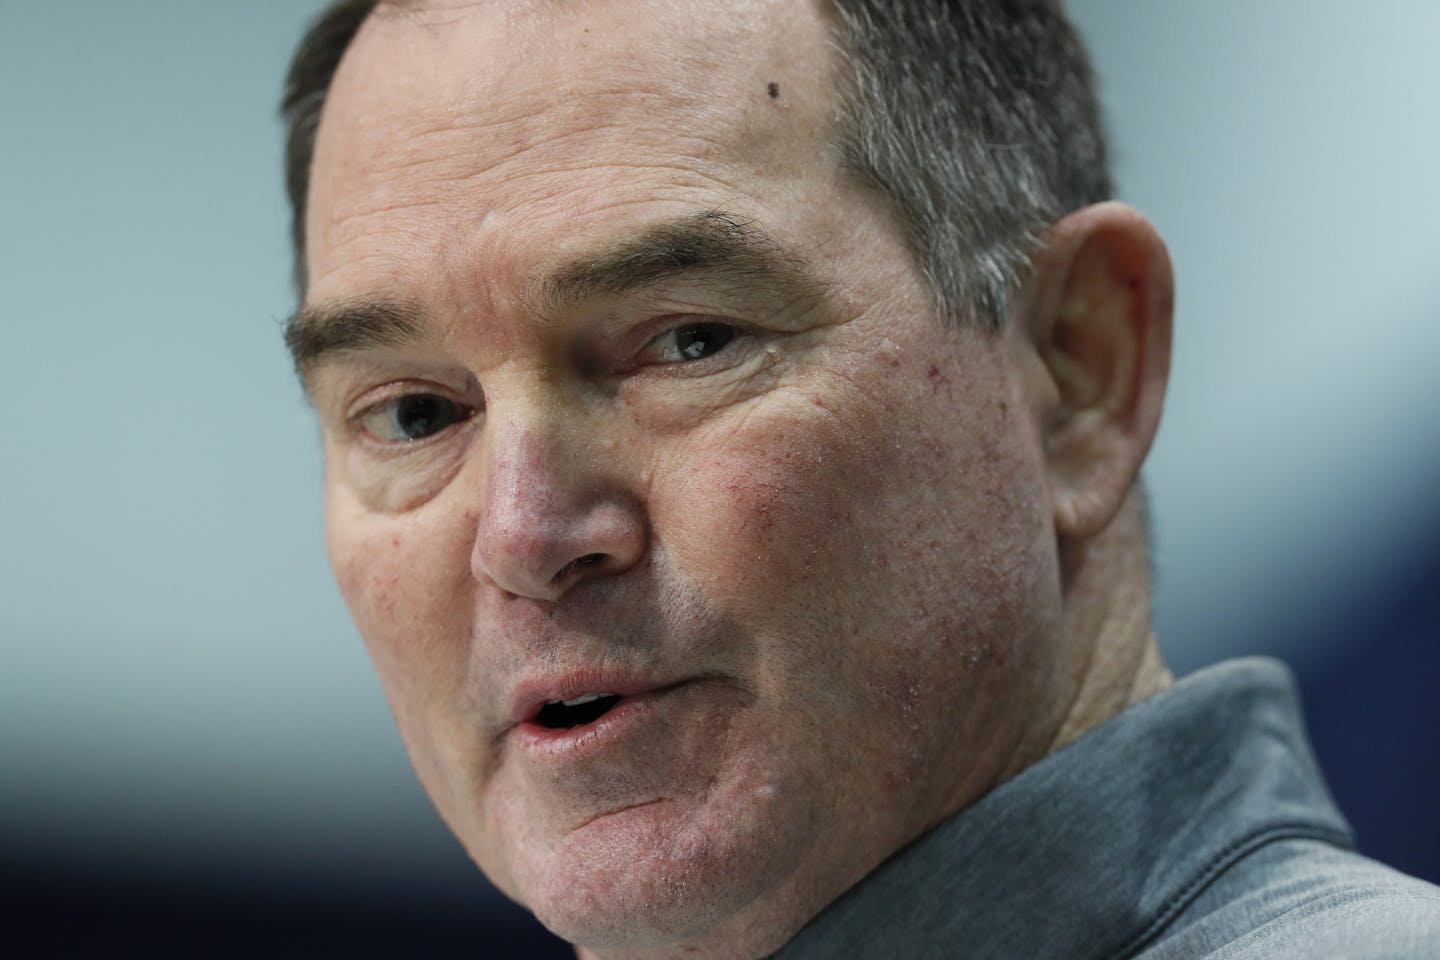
980	121
977	118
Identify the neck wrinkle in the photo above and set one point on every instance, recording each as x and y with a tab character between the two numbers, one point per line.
1107	616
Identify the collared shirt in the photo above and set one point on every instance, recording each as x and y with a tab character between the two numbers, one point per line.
1192	824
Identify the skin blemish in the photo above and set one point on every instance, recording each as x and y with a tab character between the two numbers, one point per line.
773	89
936	377
890	352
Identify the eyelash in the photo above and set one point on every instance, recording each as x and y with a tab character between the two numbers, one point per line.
451	412
397	394
732	338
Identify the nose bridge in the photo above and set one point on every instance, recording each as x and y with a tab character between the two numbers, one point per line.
529	478
554	510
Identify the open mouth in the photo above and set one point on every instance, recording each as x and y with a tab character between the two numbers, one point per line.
564	714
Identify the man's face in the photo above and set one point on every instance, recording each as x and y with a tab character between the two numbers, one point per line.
629	389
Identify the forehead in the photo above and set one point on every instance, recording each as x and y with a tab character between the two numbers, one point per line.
476	118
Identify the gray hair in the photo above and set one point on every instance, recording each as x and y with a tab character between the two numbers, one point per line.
978	119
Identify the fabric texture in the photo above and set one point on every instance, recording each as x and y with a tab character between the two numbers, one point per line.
1193	824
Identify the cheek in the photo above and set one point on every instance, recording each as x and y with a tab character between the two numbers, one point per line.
885	519
398	576
756	513
405	579
832	490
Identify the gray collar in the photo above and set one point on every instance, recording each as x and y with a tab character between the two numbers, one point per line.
1091	852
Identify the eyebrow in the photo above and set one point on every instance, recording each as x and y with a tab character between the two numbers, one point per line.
727	250
322	330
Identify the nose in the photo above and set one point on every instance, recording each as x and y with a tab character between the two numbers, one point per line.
554	514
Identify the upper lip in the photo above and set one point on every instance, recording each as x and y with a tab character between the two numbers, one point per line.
530	696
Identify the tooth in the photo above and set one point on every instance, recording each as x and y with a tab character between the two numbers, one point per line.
587	698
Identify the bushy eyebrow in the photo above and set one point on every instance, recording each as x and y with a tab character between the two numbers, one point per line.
728	249
322	330
725	249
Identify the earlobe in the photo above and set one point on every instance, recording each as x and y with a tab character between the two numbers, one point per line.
1100	321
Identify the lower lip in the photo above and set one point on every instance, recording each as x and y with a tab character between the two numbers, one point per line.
582	741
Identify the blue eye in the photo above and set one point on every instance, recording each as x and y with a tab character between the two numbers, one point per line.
413	416
695	341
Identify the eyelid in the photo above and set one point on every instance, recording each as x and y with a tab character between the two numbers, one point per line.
389	409
371	390
373	400
741	333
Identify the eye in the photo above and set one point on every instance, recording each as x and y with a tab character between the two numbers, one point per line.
413	416
694	341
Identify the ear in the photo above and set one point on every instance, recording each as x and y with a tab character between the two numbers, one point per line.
1098	314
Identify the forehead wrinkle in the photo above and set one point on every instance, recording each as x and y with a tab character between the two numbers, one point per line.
426	176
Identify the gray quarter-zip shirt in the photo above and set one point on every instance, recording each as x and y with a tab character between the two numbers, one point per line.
1192	824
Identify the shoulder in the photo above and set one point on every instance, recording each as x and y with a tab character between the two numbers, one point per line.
1359	924
1303	900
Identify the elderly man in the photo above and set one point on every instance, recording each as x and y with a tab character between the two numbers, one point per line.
733	415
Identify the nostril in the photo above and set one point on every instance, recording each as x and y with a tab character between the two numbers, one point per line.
589	560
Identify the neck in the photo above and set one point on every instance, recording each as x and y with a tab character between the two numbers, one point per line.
1107	621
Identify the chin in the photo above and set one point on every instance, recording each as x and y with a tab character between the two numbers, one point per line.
655	879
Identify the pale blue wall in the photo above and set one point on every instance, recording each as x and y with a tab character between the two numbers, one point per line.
179	678
1290	152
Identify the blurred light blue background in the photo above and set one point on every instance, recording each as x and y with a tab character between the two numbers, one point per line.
182	698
